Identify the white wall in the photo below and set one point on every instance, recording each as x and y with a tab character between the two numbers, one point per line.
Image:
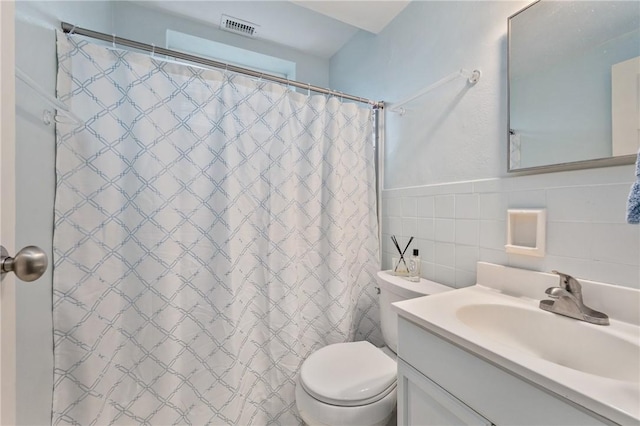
445	161
149	26
455	132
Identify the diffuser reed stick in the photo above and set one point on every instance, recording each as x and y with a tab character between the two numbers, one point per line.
400	252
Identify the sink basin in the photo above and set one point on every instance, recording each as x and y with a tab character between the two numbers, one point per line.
564	341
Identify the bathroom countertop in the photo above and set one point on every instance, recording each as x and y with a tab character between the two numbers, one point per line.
617	400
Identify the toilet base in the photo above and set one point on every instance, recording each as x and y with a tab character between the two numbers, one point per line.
317	413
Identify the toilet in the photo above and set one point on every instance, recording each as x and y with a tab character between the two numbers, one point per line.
354	383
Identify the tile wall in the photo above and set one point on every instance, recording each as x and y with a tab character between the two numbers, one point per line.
457	224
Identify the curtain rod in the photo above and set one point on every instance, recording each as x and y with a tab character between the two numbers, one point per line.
72	29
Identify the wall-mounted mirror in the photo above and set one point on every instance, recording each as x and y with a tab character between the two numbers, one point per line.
574	85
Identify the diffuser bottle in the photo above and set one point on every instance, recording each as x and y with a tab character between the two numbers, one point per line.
414	267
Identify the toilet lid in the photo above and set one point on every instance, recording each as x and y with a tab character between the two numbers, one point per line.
348	374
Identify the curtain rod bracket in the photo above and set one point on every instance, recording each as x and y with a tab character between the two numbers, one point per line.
475	76
472	78
55	103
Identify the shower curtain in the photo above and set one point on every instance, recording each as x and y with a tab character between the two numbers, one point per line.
211	231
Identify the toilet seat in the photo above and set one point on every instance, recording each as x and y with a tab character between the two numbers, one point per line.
317	413
348	374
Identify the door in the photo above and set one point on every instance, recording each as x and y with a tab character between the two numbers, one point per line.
7	213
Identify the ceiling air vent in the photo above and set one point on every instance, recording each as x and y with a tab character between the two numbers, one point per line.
238	26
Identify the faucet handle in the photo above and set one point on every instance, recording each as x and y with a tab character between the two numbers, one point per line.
569	283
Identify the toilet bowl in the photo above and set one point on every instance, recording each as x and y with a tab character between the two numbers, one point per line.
354	383
347	383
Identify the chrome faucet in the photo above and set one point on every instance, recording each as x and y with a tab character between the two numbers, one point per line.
568	301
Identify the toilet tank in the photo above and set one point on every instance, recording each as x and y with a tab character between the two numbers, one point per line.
394	289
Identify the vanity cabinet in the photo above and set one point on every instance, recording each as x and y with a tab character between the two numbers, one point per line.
421	402
440	383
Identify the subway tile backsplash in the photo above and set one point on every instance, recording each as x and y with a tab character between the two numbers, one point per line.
455	225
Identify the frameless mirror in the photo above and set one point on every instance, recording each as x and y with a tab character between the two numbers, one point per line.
574	85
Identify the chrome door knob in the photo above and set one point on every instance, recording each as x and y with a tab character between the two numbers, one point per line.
28	264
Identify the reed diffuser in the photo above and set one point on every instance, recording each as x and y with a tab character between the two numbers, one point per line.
399	264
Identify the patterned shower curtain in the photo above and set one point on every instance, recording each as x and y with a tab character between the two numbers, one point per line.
211	231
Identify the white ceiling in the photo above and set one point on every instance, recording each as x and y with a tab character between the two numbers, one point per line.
370	16
320	28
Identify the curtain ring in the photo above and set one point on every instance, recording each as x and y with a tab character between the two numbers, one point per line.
153	50
113	40
308	89
226	75
73	30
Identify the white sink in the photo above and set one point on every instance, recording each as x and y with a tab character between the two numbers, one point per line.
498	319
574	344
